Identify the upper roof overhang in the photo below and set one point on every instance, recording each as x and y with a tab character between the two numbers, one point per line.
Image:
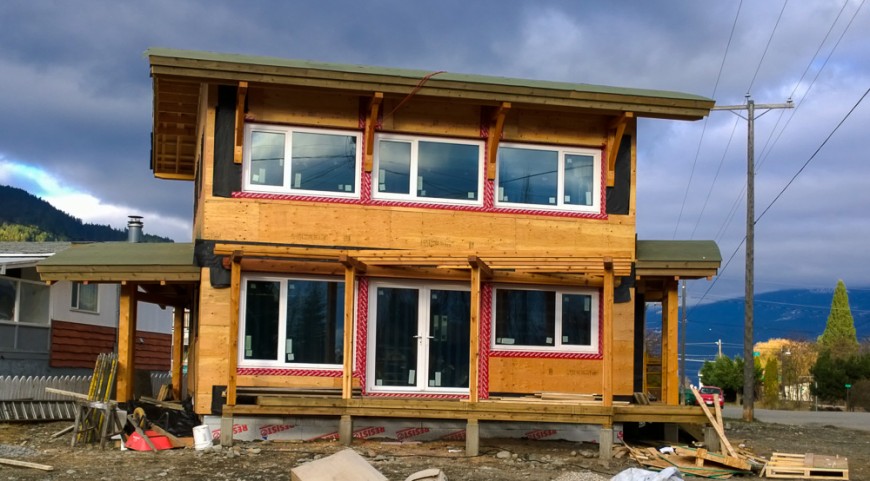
178	74
677	258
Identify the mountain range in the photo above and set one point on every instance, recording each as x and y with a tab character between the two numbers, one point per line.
27	218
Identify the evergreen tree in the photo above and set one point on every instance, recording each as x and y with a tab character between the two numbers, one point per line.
839	338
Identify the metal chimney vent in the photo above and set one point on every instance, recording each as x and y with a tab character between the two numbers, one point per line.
134	228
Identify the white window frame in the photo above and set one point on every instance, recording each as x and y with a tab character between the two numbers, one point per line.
560	204
287	186
414	140
422	347
594	341
16	311
76	286
282	323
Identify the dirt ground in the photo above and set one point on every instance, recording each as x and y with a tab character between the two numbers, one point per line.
508	460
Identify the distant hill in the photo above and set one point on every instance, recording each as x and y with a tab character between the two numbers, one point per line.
799	314
27	218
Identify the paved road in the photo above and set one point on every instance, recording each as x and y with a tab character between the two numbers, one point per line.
860	421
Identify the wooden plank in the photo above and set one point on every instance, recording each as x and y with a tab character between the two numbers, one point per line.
233	334
496	127
474	337
371	124
126	346
346	464
716	426
806	466
26	464
240	122
177	348
347	346
704	455
670	347
614	139
607	334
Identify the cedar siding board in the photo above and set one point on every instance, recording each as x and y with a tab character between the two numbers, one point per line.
78	345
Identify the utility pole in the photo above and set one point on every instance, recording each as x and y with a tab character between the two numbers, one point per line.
683	350
748	358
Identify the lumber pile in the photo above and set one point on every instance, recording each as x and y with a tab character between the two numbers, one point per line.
695	462
806	466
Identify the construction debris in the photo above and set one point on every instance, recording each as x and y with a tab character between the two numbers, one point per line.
806	466
344	465
432	474
687	461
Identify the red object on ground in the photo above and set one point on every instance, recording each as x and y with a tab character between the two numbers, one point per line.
136	443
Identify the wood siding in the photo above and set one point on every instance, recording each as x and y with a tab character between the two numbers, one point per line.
78	345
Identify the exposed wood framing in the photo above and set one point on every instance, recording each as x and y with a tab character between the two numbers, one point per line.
670	363
371	123
351	262
614	138
347	346
474	336
126	346
496	126
233	345
607	333
240	121
177	350
477	262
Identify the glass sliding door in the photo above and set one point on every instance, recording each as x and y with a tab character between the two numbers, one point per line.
419	339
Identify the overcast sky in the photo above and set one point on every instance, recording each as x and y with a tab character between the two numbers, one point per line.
75	104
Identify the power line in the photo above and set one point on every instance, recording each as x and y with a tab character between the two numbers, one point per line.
766	47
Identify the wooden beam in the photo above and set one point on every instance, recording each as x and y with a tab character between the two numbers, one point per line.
371	123
233	345
496	127
474	337
614	139
347	346
126	346
240	121
348	261
670	362
477	262
607	334
177	350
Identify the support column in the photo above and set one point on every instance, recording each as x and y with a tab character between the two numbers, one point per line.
345	430
670	359
605	444
347	369
607	334
227	428
472	438
177	350
233	334
474	338
672	432
711	440
126	346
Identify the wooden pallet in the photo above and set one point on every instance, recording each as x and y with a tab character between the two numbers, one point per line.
806	466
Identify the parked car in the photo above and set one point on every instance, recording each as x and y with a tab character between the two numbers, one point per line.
707	393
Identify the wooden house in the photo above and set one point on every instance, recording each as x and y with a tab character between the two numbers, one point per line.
418	244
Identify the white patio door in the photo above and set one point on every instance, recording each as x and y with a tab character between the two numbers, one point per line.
418	338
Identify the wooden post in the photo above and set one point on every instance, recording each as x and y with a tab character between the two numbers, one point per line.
474	337
347	370
607	334
126	344
177	350
233	345
670	361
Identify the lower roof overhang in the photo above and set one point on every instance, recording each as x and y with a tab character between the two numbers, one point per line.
678	259
122	262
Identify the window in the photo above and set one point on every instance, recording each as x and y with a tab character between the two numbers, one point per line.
85	297
23	301
291	322
301	161
546	320
549	178
427	169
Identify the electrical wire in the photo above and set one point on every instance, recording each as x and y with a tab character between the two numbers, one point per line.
766	47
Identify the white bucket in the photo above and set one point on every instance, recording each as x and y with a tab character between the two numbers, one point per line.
202	437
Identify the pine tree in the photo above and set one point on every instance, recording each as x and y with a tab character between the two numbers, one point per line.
839	338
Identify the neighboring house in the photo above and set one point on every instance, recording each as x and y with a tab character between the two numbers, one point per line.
420	244
59	329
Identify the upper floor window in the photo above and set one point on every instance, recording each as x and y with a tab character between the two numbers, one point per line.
549	178
85	297
291	322
301	161
546	320
427	169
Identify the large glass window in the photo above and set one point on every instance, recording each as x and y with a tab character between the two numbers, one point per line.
303	161
540	319
427	169
292	321
85	297
550	178
24	301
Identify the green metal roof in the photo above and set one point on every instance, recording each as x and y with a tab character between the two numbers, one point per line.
682	258
418	74
122	261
